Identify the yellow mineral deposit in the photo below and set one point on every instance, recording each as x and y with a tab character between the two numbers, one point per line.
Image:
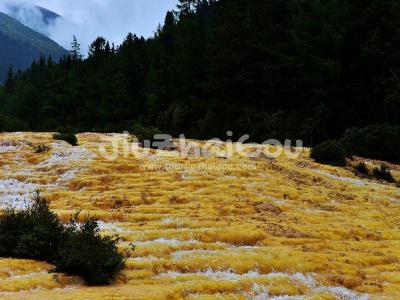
282	229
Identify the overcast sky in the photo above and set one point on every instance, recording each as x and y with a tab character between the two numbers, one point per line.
112	19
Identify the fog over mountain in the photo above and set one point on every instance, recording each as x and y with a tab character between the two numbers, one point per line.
20	46
88	19
33	16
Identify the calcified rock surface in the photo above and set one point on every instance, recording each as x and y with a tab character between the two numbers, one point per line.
282	229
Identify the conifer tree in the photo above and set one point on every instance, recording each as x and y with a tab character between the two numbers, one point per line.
75	49
9	84
185	6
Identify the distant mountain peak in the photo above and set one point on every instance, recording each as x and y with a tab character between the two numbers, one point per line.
36	17
20	45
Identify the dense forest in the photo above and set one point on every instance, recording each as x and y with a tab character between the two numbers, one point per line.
306	69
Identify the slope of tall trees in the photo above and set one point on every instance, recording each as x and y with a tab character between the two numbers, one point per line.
306	69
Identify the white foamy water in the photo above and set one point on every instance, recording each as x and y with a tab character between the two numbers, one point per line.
355	181
16	194
342	293
67	154
209	252
69	175
213	275
394	200
144	258
282	298
168	220
113	227
29	275
6	146
172	242
261	291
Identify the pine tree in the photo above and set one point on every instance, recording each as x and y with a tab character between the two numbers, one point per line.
75	49
98	47
167	33
49	62
189	6
9	84
185	6
108	48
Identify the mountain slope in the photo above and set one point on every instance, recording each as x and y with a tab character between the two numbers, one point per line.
20	45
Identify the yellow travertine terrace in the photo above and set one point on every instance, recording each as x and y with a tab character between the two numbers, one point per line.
266	229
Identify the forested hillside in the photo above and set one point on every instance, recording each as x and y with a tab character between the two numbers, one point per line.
272	69
20	45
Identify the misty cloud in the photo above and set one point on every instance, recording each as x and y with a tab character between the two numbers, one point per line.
28	14
87	19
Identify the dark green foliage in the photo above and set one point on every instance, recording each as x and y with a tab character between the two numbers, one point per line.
33	233
330	152
41	148
284	69
383	173
380	173
67	137
37	233
145	135
75	50
362	168
8	123
84	252
375	141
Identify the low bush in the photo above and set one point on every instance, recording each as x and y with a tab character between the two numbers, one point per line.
75	249
376	141
67	137
383	173
33	233
362	168
145	135
85	252
41	148
330	152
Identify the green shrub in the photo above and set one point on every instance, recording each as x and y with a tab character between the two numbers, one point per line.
33	233
145	135
383	173
75	249
41	148
67	137
84	252
362	168
375	141
330	152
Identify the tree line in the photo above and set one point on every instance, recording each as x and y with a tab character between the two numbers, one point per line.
296	69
